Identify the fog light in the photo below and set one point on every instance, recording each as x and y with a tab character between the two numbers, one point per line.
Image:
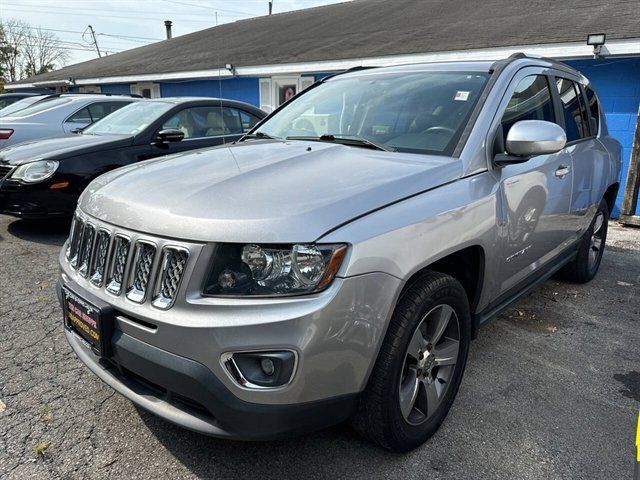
267	366
261	369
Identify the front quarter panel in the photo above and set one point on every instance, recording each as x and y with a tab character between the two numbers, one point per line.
406	237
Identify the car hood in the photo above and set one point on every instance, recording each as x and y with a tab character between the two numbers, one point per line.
53	148
260	191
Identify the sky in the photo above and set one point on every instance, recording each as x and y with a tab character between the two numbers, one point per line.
124	24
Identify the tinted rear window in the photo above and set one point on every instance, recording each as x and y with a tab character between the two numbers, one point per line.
42	106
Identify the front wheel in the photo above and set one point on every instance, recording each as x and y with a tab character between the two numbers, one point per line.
420	365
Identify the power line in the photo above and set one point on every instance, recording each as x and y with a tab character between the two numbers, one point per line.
78	31
55	12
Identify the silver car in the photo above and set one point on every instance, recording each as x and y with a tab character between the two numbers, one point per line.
337	261
56	116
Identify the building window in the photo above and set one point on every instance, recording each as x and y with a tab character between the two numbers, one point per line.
90	89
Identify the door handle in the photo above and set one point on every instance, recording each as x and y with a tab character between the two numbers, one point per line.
562	171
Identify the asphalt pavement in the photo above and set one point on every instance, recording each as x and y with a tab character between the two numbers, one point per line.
552	390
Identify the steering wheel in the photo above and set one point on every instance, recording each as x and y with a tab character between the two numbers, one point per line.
440	130
305	127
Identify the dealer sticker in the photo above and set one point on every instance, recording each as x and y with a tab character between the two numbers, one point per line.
461	96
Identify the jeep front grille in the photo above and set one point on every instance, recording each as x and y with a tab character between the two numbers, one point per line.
174	261
118	264
144	255
86	246
99	261
121	261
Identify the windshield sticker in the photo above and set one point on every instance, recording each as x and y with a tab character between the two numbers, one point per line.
461	96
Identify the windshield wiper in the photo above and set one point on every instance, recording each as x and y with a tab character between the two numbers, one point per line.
352	140
260	135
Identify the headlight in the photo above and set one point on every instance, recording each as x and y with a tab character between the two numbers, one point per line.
266	270
35	171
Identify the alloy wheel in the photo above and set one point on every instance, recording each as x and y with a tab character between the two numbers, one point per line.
595	246
429	364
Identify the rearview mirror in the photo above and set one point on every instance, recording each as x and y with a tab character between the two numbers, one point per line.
528	138
170	135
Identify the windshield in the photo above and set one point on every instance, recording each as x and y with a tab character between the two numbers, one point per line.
19	105
38	107
129	120
418	112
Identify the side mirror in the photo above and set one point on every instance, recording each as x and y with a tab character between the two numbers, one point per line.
170	135
528	138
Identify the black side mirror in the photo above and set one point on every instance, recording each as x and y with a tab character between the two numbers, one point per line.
170	135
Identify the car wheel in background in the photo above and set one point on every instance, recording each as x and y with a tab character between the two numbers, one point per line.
584	267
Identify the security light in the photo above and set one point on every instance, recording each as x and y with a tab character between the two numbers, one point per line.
231	68
597	41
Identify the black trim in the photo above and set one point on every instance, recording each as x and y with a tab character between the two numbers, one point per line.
524	287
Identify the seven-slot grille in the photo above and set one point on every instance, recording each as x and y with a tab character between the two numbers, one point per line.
119	264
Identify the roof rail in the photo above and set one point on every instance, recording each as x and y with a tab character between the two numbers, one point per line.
348	70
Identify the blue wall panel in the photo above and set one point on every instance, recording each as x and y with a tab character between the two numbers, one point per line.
617	82
243	89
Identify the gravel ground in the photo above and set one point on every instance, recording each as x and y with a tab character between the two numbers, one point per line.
552	390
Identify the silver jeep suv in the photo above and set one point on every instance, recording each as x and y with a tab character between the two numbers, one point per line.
336	262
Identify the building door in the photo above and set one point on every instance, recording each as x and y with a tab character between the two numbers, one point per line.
275	91
146	89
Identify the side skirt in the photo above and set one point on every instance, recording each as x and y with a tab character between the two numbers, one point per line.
505	300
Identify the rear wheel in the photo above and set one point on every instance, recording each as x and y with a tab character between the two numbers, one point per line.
420	365
585	265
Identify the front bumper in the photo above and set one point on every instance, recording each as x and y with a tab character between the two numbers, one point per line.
36	200
188	394
175	369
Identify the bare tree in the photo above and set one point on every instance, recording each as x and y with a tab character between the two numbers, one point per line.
42	53
27	51
15	34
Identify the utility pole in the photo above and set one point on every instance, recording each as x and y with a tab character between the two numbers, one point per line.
95	42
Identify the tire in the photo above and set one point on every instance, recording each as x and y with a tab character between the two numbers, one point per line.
382	416
585	265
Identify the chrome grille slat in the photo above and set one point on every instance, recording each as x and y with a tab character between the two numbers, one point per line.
86	247
99	262
141	271
174	261
75	256
118	264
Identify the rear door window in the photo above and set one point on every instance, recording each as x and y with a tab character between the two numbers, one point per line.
574	116
593	108
81	116
531	100
99	110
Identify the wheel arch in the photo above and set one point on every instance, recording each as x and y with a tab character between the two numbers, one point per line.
610	196
466	265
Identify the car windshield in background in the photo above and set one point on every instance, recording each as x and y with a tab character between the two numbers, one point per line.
421	112
129	120
21	104
38	107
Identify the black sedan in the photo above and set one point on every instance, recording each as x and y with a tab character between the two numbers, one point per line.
45	178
